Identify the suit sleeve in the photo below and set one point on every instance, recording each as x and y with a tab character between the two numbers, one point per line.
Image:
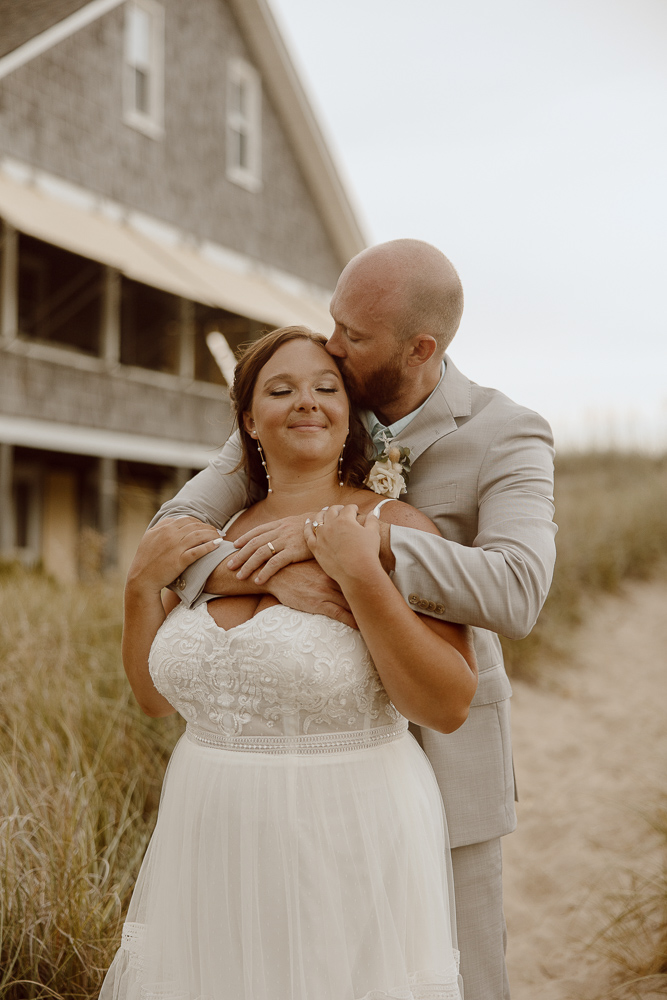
213	496
501	580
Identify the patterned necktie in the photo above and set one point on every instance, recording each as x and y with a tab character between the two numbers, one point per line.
380	434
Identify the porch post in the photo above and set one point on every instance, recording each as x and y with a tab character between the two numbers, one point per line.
186	354
110	345
9	316
108	510
6	501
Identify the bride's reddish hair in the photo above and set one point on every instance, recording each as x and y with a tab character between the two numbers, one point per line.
356	461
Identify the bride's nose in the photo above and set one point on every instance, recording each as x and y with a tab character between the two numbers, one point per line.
306	400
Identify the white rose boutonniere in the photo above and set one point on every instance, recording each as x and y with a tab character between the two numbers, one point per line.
390	471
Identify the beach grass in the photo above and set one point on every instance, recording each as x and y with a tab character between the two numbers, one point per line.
80	776
611	510
81	767
633	938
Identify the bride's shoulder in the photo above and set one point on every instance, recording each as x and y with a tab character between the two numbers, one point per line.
403	515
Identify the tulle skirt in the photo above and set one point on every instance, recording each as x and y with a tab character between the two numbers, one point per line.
293	877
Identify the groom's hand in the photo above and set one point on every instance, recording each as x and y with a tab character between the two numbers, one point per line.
265	550
306	587
303	586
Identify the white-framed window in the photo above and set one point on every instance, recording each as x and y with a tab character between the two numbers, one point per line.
143	85
244	125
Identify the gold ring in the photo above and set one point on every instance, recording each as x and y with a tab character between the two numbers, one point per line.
271	548
316	525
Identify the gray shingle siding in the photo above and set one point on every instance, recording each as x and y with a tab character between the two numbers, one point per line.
62	112
30	387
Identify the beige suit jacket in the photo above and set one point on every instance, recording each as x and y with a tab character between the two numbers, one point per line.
482	470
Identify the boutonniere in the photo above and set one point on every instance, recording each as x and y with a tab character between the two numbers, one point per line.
390	472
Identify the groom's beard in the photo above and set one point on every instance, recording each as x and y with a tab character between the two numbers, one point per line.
379	388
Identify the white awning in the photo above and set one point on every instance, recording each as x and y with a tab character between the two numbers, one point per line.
175	269
70	439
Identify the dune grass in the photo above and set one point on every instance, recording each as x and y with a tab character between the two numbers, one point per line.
81	767
634	938
611	510
80	776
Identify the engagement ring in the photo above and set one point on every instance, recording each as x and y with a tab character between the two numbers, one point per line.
271	547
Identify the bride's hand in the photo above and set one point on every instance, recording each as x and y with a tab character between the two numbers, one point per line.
343	547
169	548
269	548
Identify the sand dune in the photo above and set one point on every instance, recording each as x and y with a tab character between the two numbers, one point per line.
591	761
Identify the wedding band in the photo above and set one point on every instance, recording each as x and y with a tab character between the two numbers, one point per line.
271	547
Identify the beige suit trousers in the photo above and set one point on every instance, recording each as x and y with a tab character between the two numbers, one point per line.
480	924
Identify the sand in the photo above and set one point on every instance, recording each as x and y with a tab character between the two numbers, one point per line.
590	747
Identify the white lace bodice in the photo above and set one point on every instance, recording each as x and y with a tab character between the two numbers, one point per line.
283	673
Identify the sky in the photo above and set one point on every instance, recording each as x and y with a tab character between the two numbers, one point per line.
527	139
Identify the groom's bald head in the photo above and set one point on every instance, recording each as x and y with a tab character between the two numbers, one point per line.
411	285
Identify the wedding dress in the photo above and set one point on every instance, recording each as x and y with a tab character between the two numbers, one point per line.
300	851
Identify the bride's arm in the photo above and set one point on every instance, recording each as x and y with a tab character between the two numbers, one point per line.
163	553
427	666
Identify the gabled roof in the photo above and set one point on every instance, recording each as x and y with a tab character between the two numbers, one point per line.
265	42
30	27
21	20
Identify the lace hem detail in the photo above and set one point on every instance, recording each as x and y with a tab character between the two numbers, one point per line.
443	990
166	991
425	991
318	744
424	986
421	986
133	937
132	941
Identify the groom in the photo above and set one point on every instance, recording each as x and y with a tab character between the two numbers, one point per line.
482	470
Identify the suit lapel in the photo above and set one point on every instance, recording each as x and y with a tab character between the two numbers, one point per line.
451	399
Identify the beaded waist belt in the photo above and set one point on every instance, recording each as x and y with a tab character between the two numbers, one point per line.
317	744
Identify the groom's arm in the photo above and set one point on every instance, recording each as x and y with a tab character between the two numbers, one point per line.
212	496
501	581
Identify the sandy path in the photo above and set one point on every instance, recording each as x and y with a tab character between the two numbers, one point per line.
591	758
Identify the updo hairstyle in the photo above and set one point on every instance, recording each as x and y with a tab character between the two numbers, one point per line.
358	446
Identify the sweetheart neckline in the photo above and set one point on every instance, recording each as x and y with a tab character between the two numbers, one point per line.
220	628
272	607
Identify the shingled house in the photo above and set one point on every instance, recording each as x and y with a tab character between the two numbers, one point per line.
161	176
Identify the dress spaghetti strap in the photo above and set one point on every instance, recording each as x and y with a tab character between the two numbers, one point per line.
223	531
377	508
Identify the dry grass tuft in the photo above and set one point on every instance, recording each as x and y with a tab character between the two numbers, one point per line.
634	940
80	776
612	515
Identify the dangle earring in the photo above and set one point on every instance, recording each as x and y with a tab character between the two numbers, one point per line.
340	467
268	477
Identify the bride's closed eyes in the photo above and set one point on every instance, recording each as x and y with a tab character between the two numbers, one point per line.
283	383
321	388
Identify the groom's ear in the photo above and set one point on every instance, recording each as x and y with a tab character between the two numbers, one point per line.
422	348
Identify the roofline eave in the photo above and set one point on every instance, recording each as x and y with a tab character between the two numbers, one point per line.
289	97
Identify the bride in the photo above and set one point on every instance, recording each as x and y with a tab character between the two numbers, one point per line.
300	851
